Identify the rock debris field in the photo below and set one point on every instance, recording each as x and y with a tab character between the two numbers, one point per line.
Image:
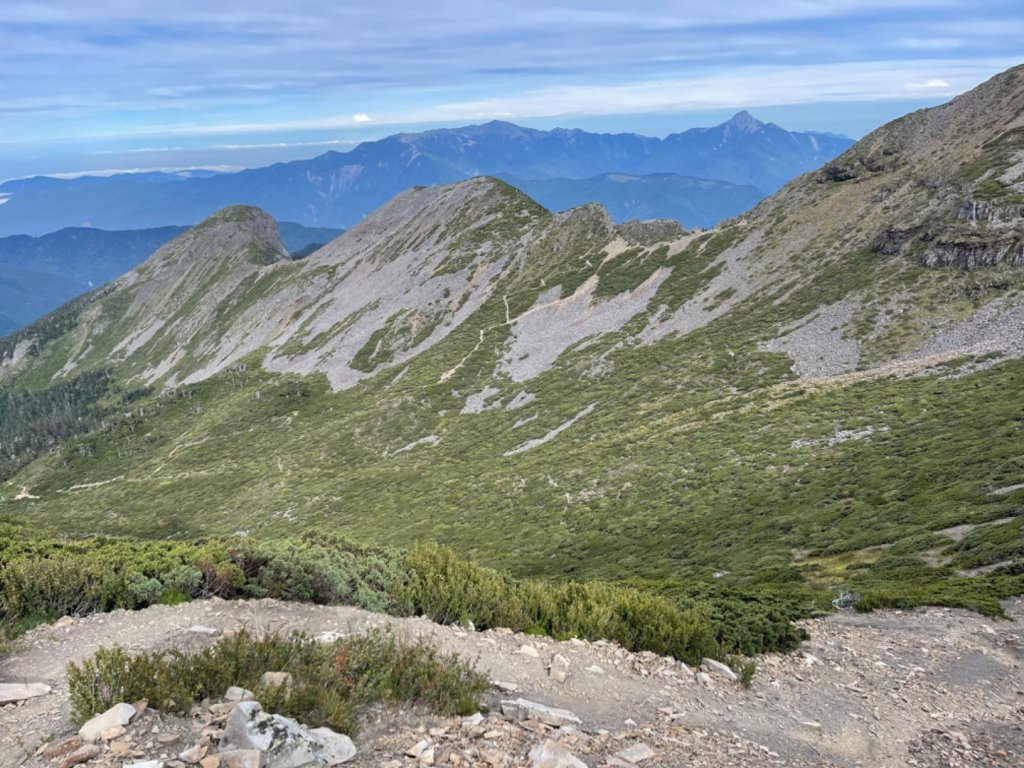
936	687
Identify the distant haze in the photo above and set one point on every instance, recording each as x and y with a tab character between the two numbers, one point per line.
110	85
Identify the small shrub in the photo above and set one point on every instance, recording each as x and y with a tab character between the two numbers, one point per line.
450	590
183	579
331	681
54	588
173	597
142	590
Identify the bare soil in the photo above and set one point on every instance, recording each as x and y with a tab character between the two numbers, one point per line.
931	687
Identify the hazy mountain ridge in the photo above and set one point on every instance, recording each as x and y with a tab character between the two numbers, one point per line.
339	188
777	399
38	274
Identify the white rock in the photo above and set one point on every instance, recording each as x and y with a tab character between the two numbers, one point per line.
193	755
417	749
119	714
281	742
551	754
329	636
473	721
503	686
337	747
558	669
146	764
595	669
276	680
521	709
723	669
199	629
529	650
114	732
235	693
635	754
14	692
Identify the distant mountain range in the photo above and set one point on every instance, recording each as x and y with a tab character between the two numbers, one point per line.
38	274
697	202
337	189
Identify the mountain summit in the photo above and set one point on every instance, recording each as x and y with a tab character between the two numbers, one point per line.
744	122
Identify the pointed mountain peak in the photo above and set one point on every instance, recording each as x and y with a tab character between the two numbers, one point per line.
239	234
745	122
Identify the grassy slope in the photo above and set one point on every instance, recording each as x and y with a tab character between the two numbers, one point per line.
666	479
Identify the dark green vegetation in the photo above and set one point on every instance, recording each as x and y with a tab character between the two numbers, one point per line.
331	682
681	483
32	423
42	578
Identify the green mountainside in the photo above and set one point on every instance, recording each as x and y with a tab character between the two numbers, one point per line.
821	396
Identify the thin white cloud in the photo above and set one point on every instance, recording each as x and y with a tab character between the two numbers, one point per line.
739	87
930	84
362	117
116	171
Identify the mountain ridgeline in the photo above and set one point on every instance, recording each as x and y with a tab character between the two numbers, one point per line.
805	400
736	164
38	274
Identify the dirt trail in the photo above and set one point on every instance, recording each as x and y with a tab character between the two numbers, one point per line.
883	689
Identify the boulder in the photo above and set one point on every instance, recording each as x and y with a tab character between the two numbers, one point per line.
82	754
281	742
521	709
193	755
417	749
11	693
723	669
337	747
636	754
119	714
558	669
62	747
551	754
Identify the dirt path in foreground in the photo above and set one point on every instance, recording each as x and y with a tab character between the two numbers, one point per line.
933	687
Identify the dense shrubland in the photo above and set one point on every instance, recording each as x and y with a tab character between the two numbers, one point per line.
42	578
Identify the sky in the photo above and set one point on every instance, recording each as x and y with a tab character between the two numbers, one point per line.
110	85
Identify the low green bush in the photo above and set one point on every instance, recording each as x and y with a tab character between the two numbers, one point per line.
331	682
450	590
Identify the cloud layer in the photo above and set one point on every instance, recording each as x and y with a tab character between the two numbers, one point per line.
91	71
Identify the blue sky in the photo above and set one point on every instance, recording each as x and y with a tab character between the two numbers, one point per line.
119	84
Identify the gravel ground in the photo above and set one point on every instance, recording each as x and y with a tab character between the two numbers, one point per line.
883	689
